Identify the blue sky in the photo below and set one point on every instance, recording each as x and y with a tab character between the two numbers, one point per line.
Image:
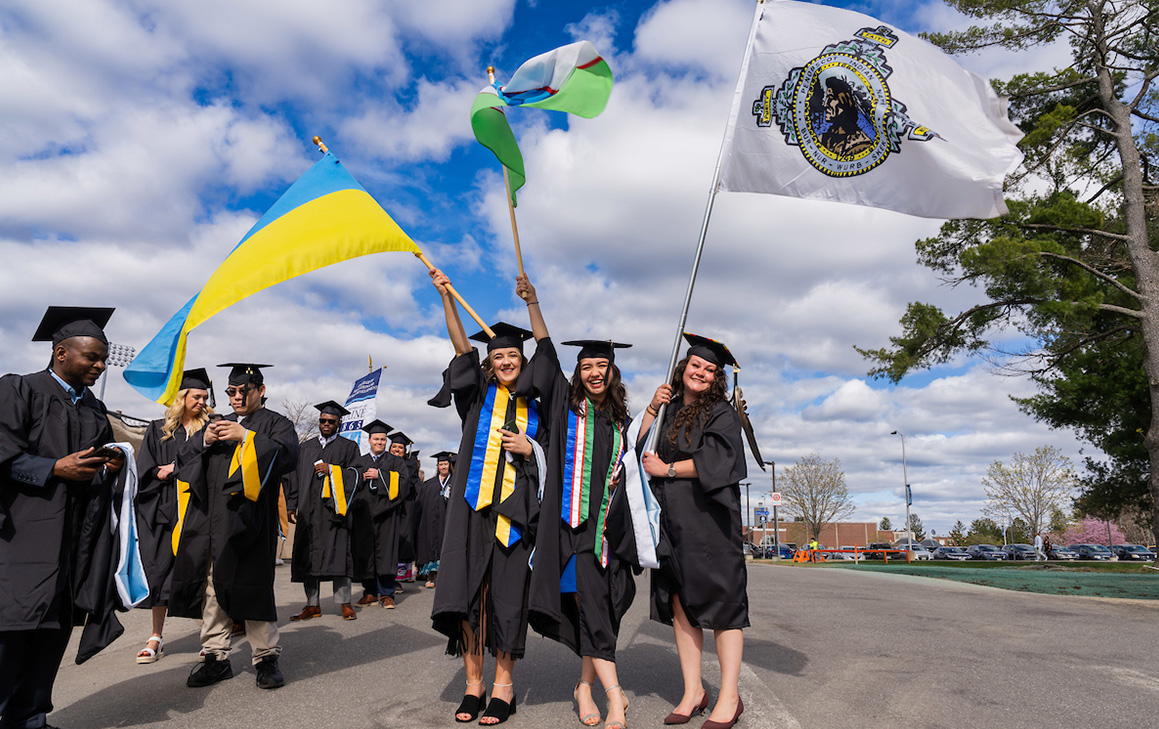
144	138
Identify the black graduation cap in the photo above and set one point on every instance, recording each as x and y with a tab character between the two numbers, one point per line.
62	322
376	426
245	373
331	408
709	349
596	348
400	437
506	335
197	379
444	456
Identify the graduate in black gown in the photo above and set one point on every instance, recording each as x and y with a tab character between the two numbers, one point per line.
52	475
376	518
318	493
400	445
481	596
224	568
696	473
431	516
162	498
580	590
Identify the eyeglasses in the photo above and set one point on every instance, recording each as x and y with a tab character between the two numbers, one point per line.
243	390
328	421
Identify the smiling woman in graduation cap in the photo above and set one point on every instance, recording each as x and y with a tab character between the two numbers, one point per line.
580	590
696	474
162	497
481	596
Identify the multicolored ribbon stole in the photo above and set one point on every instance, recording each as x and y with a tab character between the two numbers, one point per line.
334	488
577	465
487	457
613	473
182	505
245	457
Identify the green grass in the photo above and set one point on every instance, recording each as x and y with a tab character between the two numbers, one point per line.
1097	579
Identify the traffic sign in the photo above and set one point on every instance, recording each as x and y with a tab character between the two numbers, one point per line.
761	511
776	498
763	519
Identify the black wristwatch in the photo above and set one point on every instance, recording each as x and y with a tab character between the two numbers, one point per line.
672	470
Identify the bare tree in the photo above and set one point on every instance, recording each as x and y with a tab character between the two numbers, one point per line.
304	417
1031	487
814	490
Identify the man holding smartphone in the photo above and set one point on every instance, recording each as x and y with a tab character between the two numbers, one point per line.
53	461
224	568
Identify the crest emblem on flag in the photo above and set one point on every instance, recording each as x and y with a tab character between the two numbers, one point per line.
838	107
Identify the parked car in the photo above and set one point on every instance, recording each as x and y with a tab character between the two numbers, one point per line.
951	553
1019	551
1134	552
985	552
919	553
1063	553
874	550
931	545
1092	551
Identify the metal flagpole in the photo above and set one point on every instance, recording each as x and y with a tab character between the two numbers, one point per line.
650	446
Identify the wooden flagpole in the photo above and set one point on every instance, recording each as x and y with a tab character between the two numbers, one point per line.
507	193
430	266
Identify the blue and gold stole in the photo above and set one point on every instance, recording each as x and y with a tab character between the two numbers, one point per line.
245	457
487	458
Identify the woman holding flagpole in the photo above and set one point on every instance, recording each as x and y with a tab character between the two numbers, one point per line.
481	596
580	590
695	474
159	501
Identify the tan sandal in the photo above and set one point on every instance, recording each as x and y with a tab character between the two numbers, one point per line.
616	724
147	654
586	719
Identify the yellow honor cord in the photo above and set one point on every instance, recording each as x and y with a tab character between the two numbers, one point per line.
335	478
392	485
182	505
245	457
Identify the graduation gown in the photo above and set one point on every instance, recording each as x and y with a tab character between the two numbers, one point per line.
430	519
321	534
221	524
57	553
700	552
477	575
408	524
376	517
157	508
588	620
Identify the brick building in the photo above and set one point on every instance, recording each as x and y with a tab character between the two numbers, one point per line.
837	534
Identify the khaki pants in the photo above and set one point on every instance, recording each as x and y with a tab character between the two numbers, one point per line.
216	627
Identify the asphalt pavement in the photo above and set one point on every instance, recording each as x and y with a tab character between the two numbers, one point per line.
828	648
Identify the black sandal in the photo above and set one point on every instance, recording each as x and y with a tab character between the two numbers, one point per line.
498	709
471	705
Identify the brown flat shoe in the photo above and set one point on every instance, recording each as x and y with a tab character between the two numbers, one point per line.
366	600
307	613
387	602
238	629
348	612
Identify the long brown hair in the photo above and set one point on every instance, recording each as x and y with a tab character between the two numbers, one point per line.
489	369
697	412
615	402
176	414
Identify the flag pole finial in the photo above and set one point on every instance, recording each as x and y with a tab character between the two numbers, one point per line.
491	73
321	145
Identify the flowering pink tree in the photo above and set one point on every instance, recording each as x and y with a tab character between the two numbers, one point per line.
1089	531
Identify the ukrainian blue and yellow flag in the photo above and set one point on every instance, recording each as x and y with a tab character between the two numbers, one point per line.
325	217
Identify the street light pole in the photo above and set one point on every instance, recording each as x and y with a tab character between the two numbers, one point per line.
909	537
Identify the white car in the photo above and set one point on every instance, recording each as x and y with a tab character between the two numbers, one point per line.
918	552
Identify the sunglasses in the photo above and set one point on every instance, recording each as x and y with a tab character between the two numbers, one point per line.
232	391
329	421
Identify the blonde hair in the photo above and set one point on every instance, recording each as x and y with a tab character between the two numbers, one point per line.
175	415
